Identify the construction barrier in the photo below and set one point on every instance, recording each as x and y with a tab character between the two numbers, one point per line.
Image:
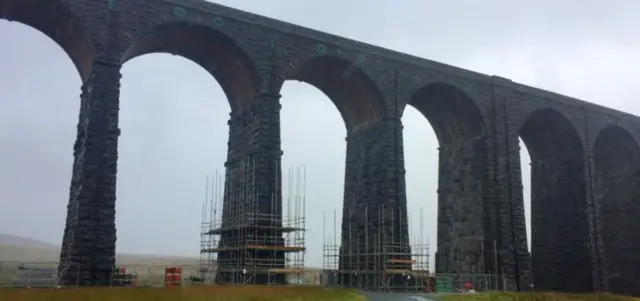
153	275
172	276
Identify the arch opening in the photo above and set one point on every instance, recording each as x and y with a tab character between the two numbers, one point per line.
54	20
174	134
525	180
421	181
309	120
559	222
616	158
212	50
459	128
354	94
38	129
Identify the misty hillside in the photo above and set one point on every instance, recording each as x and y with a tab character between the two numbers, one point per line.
14	240
21	249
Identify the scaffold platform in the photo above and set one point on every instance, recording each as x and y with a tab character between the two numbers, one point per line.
252	247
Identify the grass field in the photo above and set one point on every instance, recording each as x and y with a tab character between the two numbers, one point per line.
209	293
536	297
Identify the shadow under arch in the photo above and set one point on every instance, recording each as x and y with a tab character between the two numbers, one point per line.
211	49
53	19
616	159
560	240
451	112
462	185
352	91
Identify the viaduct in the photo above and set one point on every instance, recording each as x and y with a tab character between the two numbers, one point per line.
585	158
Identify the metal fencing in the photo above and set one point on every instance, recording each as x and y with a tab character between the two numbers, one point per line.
36	274
443	283
460	282
48	275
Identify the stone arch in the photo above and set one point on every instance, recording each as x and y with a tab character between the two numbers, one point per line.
352	91
462	166
451	112
211	49
559	221
616	159
55	20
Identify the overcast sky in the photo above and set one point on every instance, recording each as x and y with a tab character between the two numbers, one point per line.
174	114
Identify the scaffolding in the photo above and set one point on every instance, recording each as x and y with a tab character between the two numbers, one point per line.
244	243
376	261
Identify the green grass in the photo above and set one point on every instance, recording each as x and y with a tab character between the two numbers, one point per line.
536	297
194	293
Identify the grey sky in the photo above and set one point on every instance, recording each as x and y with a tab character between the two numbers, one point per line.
173	114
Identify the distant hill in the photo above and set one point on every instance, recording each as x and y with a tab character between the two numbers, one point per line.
16	248
14	240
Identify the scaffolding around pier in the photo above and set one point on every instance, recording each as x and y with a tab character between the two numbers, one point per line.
381	260
368	253
250	245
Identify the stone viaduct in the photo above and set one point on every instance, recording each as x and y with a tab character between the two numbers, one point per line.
585	158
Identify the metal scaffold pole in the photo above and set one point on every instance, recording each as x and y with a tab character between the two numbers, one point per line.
262	244
378	260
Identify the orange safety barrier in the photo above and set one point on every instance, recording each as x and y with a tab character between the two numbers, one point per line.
172	276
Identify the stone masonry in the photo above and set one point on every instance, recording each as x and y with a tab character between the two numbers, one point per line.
253	164
585	175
